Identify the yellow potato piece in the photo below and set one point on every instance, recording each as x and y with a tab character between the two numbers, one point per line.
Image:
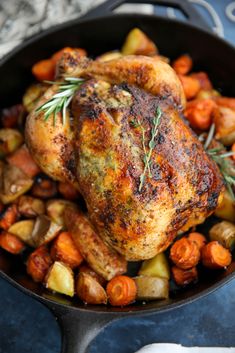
151	288
60	279
23	230
157	266
137	43
226	209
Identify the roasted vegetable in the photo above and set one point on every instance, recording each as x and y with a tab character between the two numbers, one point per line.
224	233
44	230
226	102
55	210
30	207
89	289
86	269
110	55
225	125
203	80
226	209
215	256
44	188
68	191
64	249
157	266
11	243
10	140
23	230
185	253
102	259
137	43
60	279
121	291
184	277
32	95
151	288
205	94
22	159
12	116
183	64
200	113
14	183
8	217
190	85
58	55
44	70
38	263
198	238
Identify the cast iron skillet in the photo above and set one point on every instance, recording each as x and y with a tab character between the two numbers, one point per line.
99	31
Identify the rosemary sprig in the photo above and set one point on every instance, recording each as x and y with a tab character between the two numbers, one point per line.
151	145
221	159
61	99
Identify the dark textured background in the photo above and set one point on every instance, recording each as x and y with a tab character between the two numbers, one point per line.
28	327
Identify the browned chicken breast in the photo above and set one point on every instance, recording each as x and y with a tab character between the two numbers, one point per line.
181	185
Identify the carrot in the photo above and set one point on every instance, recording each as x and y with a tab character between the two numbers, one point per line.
57	56
200	113
9	217
44	188
11	243
233	150
190	85
22	159
68	191
185	253
64	249
203	80
38	263
121	291
11	116
215	256
225	102
182	65
86	269
184	277
198	238
44	70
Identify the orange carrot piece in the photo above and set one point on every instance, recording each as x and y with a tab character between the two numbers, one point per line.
215	256
68	191
225	102
9	217
183	64
64	249
11	243
185	253
184	277
121	291
44	188
200	112
38	263
22	159
190	85
198	238
44	70
203	80
86	269
233	150
57	56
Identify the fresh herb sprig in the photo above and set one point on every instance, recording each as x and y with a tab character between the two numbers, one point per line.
220	157
61	99
148	154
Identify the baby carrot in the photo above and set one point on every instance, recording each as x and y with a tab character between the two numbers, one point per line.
9	217
38	263
185	253
198	238
184	277
44	70
11	243
190	85
121	290
182	65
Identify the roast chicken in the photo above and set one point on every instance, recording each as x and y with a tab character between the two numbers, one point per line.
141	170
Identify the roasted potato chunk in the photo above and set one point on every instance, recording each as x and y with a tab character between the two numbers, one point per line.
32	95
110	55
224	233
10	140
30	207
60	279
55	210
137	43
225	125
89	289
226	209
157	266
151	288
23	230
44	230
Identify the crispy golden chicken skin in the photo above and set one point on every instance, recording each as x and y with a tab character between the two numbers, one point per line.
180	189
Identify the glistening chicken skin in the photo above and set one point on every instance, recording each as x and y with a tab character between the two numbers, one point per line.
181	185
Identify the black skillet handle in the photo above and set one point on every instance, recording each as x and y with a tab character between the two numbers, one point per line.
79	327
185	6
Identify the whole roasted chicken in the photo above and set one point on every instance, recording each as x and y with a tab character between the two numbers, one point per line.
141	170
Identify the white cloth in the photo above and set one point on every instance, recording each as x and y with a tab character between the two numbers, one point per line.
176	348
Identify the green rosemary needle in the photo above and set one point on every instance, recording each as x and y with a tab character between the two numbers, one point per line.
61	99
151	145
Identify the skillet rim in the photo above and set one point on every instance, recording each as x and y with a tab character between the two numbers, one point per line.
110	310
